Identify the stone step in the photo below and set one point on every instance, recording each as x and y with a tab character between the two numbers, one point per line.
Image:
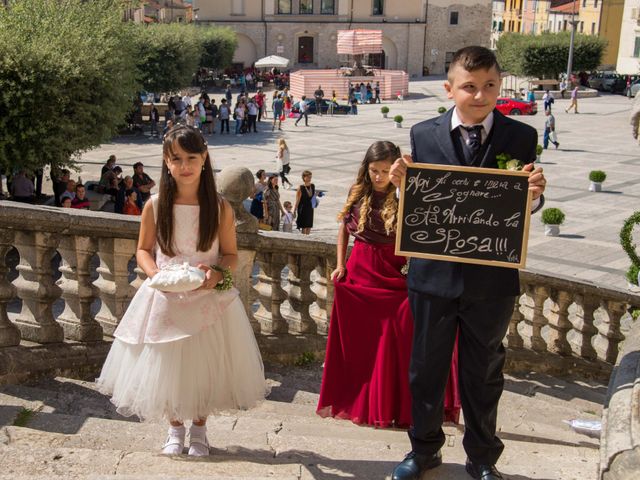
283	437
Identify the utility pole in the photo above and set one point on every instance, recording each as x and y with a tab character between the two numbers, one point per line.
574	23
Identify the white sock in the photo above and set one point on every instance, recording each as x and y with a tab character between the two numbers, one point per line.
198	444
175	441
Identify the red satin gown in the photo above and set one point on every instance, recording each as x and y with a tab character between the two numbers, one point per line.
366	370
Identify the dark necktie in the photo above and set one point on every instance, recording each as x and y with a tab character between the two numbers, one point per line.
475	138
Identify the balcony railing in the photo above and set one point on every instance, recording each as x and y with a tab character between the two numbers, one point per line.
559	324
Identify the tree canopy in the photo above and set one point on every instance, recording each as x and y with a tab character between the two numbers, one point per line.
66	79
70	69
546	55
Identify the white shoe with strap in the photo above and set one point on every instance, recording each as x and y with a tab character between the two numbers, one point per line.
175	441
198	443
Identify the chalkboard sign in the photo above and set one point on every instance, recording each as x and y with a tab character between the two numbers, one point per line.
463	214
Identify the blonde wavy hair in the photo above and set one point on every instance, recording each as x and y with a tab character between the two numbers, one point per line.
362	190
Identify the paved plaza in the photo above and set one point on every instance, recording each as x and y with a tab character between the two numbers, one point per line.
332	148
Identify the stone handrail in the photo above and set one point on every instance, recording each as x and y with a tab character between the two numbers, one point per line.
559	324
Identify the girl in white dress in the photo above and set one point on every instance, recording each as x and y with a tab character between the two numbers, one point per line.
187	355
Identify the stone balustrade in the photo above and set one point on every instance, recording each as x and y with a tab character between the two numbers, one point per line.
559	325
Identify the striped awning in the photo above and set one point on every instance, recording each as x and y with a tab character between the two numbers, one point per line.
357	42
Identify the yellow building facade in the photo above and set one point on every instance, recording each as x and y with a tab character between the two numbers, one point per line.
610	29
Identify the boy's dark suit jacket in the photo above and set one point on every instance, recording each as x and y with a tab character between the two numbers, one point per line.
431	142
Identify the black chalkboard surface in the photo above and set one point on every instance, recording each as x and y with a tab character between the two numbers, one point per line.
464	214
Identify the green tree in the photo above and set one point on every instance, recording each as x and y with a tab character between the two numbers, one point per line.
67	78
546	55
219	45
167	55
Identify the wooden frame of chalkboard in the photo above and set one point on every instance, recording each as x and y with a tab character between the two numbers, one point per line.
496	225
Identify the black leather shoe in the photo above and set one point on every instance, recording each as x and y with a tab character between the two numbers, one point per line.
483	472
415	464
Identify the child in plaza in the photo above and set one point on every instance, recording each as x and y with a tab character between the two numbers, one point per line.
182	356
366	370
287	217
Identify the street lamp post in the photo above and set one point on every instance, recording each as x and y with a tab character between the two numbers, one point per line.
574	24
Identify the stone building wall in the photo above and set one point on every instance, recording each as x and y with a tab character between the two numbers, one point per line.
406	47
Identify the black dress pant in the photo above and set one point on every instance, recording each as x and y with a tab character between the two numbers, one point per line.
482	325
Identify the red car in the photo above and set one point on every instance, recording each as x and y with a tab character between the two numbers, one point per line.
511	106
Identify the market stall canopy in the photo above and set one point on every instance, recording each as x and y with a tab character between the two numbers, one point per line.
358	42
272	61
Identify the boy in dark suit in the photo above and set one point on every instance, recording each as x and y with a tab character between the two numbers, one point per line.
447	296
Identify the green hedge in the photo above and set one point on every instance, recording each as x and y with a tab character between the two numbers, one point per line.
545	56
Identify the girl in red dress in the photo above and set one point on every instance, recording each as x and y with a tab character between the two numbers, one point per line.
366	370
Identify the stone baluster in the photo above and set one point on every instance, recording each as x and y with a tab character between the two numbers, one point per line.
535	317
140	277
113	286
36	288
321	289
271	293
77	290
514	339
610	333
586	305
559	323
300	294
9	333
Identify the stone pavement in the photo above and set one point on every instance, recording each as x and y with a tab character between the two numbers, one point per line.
73	432
332	148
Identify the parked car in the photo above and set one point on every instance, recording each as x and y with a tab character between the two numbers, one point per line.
311	105
512	106
604	81
635	86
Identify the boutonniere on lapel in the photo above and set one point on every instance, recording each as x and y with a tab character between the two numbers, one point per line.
505	162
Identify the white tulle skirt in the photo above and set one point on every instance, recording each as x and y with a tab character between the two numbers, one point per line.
220	368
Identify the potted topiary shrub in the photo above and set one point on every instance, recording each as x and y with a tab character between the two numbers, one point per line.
442	110
385	111
552	219
539	150
596	177
398	119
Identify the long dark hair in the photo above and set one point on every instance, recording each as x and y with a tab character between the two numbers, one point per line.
362	190
191	141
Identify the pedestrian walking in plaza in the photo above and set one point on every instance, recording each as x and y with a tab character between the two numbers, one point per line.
377	92
154	117
228	94
261	103
563	88
252	116
549	130
304	111
184	356
319	96
258	205
574	100
334	101
282	162
363	93
224	112
366	370
306	202
212	115
548	100
278	112
449	300
239	117
274	208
